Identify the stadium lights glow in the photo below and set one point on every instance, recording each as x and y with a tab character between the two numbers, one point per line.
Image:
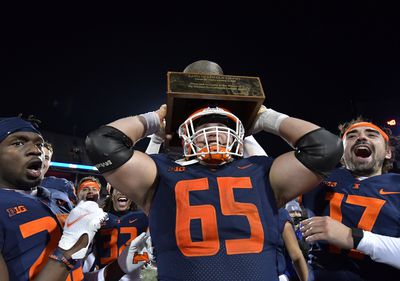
391	122
73	166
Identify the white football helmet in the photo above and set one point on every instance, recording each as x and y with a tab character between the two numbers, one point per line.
213	135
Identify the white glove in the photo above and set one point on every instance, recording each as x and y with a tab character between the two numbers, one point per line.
135	255
86	217
267	120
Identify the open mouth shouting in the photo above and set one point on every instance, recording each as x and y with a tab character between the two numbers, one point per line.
122	202
92	197
362	151
34	168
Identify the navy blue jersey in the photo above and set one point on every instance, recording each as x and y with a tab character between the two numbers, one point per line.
30	228
214	224
372	204
116	233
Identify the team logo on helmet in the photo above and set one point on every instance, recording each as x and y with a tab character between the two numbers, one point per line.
213	135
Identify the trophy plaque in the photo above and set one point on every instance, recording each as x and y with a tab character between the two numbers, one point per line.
188	92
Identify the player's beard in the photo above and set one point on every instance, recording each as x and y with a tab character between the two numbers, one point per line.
363	168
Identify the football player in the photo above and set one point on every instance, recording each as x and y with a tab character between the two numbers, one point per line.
214	216
125	222
89	189
360	198
37	237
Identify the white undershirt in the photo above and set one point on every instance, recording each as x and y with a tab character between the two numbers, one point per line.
380	248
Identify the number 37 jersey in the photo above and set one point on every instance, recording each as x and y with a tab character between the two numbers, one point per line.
219	224
116	233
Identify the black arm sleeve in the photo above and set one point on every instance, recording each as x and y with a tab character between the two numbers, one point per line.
108	148
320	151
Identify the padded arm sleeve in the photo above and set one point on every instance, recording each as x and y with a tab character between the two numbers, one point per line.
320	151
108	148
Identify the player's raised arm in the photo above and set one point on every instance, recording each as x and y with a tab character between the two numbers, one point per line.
317	151
112	150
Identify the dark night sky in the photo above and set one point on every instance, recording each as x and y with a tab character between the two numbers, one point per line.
78	70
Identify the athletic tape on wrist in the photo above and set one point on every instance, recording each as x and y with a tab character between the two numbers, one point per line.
152	122
274	120
271	120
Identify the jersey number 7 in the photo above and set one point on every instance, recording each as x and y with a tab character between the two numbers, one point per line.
49	225
367	221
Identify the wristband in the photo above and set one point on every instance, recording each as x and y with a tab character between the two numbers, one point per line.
57	255
272	120
269	120
357	235
151	122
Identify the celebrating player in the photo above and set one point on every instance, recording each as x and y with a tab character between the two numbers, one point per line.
215	219
360	198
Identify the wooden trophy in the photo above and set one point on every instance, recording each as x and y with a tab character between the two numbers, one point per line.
188	92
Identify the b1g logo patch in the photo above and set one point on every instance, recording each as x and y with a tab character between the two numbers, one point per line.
16	210
176	169
330	183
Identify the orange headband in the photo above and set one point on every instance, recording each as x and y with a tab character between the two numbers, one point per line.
367	124
89	183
